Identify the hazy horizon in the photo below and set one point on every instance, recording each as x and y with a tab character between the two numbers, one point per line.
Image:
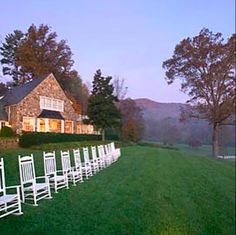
128	39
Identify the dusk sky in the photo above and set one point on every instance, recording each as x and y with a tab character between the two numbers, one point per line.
125	38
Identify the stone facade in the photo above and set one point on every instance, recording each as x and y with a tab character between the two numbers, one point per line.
29	106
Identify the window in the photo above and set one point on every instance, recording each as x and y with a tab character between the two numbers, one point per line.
51	104
79	128
42	125
68	127
28	124
54	125
2	124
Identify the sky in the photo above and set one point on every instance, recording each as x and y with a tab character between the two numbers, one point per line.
128	39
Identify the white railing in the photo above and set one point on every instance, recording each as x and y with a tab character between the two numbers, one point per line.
227	157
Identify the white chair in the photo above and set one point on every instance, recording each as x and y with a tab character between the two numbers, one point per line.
108	155
114	151
84	166
31	188
95	159
9	203
94	163
100	158
74	175
57	178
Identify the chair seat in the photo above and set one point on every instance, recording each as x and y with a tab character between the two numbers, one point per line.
74	173
58	178
38	187
7	198
85	165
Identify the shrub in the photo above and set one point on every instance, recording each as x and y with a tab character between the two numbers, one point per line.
7	132
111	134
28	139
194	143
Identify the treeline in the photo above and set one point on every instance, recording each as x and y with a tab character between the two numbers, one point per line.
192	132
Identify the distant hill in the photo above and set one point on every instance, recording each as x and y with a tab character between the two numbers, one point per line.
158	111
162	124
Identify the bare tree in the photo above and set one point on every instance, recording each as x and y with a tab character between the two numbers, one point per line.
120	90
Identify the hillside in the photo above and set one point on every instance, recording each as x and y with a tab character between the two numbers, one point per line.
162	124
155	110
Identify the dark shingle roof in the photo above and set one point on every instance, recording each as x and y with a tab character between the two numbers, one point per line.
3	114
50	114
16	94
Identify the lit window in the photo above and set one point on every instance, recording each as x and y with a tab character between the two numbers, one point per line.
28	124
79	128
68	127
54	125
2	124
42	124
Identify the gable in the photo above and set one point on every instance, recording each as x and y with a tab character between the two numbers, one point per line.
16	94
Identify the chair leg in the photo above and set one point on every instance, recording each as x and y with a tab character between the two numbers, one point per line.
35	198
49	193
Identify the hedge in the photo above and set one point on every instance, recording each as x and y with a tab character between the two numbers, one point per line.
28	139
6	132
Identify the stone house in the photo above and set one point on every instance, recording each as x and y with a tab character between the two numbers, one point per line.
41	105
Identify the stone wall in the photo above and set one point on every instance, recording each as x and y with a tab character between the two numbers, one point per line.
8	143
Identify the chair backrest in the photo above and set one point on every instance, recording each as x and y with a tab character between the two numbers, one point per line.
49	160
65	160
106	149
2	178
86	154
77	158
94	152
101	151
27	171
112	146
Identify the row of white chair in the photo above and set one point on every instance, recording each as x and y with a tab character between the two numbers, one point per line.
33	189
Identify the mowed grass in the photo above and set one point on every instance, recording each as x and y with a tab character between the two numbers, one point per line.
148	191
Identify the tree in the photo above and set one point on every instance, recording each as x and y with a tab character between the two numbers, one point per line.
39	53
131	120
102	111
8	53
206	67
3	88
169	131
36	53
120	90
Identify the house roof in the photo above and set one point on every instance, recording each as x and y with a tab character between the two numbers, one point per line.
3	114
16	94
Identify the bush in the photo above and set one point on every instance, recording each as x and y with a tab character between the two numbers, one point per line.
156	145
111	134
7	132
194	143
28	139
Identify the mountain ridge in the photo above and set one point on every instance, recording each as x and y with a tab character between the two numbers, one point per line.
159	110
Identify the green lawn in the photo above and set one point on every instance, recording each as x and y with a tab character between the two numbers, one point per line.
148	191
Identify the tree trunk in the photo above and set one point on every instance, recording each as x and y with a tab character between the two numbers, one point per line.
103	135
215	140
